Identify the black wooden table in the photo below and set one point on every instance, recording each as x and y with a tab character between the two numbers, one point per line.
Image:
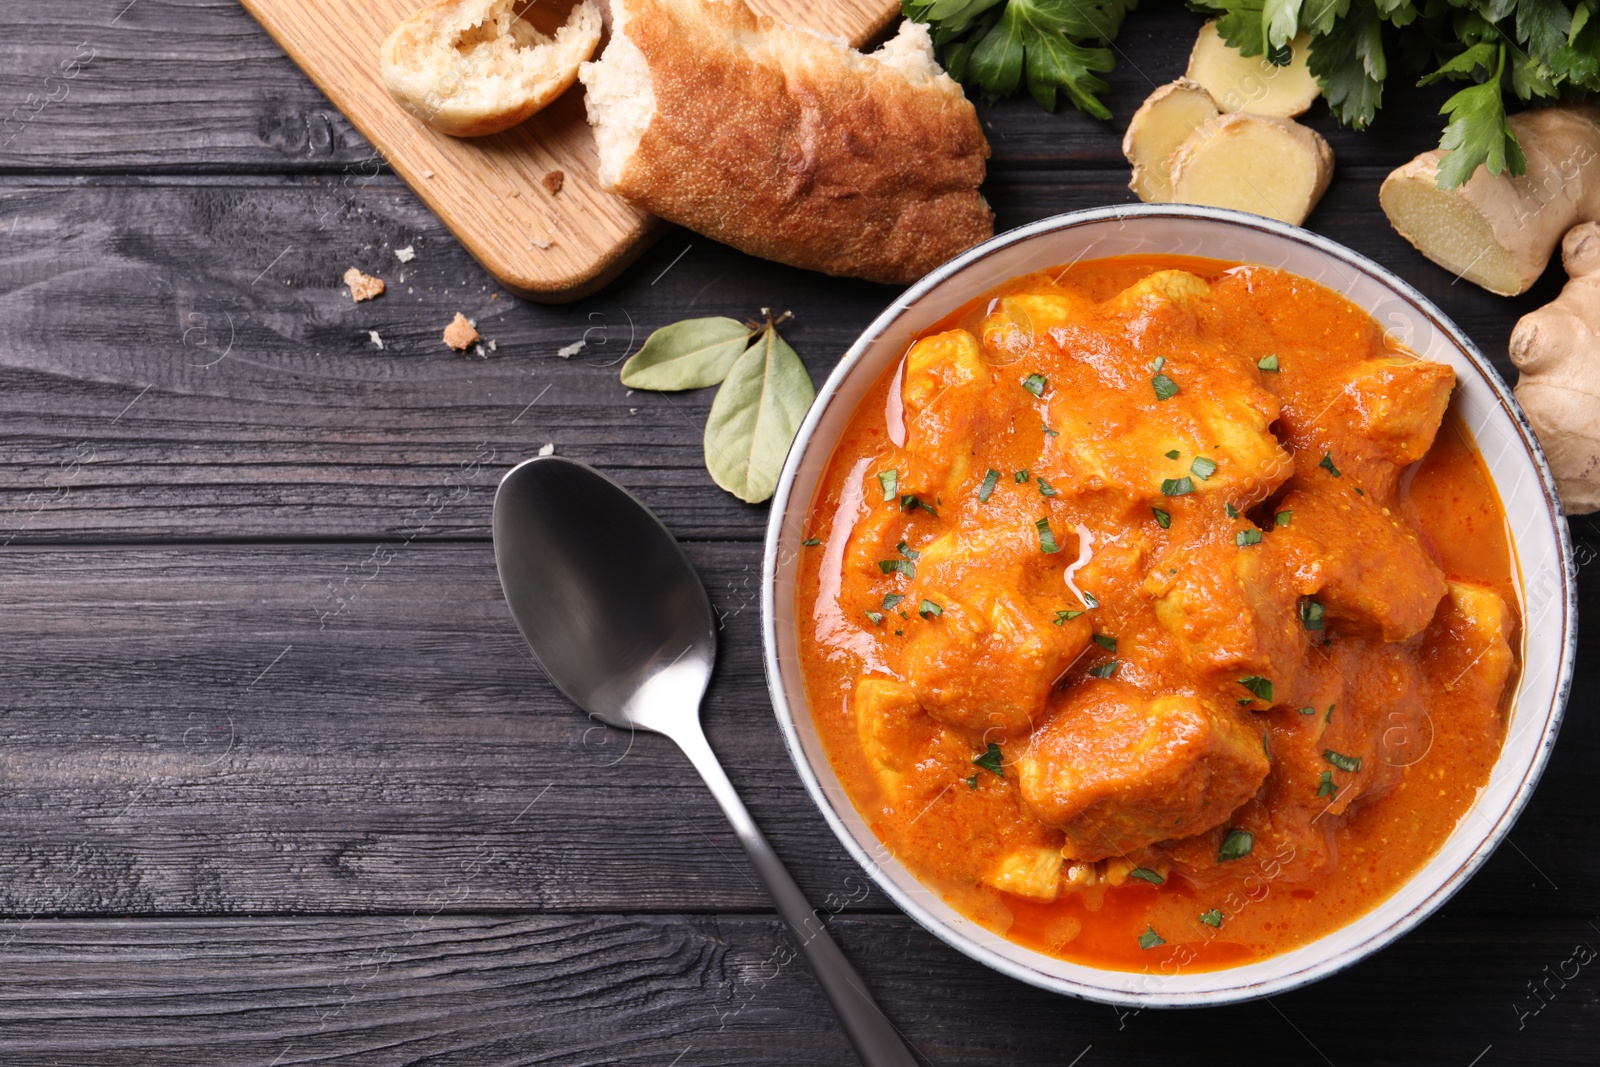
278	784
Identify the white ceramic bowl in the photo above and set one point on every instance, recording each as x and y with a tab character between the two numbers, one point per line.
1485	405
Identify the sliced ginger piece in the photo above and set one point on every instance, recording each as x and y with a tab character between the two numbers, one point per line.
1252	83
1269	166
1156	130
470	68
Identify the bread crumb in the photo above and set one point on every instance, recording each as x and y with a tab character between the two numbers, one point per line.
493	345
460	334
372	335
541	243
571	350
362	286
553	181
406	254
548	449
427	174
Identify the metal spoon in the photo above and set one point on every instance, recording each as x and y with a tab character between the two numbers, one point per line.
618	619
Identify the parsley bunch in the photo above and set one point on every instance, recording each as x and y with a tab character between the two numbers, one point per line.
1533	49
1055	45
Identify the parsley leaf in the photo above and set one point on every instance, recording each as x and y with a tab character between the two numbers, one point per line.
989	760
1478	133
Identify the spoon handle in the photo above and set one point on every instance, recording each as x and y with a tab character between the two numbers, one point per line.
875	1038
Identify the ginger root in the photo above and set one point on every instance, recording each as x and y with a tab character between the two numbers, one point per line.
1156	130
1273	167
1558	352
1223	136
1498	231
1251	83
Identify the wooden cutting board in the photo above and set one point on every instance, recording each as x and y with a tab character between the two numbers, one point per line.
489	190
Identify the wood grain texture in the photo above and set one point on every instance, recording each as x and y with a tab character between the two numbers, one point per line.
476	990
486	190
356	726
182	359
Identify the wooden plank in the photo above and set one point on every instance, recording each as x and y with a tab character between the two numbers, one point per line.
181	358
195	86
710	990
346	727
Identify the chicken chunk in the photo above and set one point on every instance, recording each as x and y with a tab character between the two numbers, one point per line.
1364	567
896	736
1116	770
1176	287
1232	612
942	393
988	662
1394	405
1033	871
1480	659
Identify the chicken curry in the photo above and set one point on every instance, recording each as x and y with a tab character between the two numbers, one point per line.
1158	614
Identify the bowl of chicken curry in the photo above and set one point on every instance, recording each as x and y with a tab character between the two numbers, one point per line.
1167	606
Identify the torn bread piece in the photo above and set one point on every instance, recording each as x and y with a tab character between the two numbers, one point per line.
363	286
461	334
474	67
788	144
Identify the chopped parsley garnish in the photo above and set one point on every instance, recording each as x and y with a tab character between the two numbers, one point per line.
1020	476
1047	539
1147	875
811	542
1236	845
876	617
912	502
986	490
1310	614
1150	939
1106	641
989	760
1089	600
1212	918
906	550
1267	363
1035	384
1261	687
889	479
1327	464
1308	711
904	566
1165	387
1174	454
1045	488
891	599
1064	617
929	610
1177	486
1105	670
1163	519
1329	716
1283	518
1266	746
1351	764
1203	467
972	782
1233	512
1248	537
1327	788
1158	363
1048	432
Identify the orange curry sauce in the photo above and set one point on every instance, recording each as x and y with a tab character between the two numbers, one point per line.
1260	678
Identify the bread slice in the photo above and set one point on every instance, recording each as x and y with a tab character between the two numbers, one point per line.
475	67
786	143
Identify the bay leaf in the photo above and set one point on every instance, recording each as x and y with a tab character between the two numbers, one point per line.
755	417
691	354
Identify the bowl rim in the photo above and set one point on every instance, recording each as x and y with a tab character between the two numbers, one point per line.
1335	961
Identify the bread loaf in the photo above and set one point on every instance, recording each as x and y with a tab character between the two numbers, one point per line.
786	143
475	67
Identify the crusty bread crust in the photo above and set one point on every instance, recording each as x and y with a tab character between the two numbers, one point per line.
791	146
